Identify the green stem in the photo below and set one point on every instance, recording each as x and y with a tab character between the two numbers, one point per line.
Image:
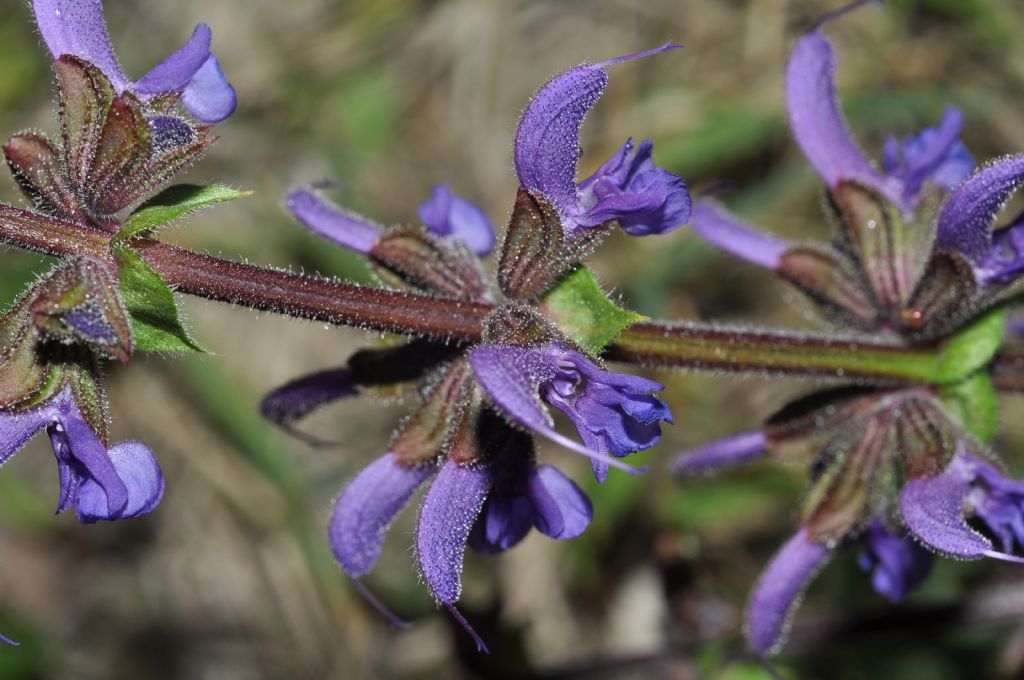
703	347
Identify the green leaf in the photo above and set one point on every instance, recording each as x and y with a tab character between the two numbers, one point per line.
156	326
172	203
971	348
975	403
579	307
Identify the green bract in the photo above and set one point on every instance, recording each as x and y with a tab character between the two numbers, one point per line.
156	326
174	202
971	348
579	307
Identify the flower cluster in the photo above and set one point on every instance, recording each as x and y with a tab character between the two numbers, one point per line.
915	258
477	404
918	275
121	141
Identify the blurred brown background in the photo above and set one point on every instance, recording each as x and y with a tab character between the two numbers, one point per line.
232	578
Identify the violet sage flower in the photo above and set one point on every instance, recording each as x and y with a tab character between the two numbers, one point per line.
897	564
614	413
915	258
49	379
444	214
627	189
858	443
77	28
925	189
100	483
935	509
469	435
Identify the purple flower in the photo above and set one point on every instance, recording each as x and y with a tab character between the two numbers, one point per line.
491	503
779	589
117	483
727	452
526	495
488	489
614	413
967	221
897	564
449	510
444	214
935	509
628	187
300	397
77	27
935	156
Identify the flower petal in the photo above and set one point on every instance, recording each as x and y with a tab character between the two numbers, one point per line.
298	398
779	589
446	214
504	521
510	376
367	506
714	224
966	220
933	511
449	510
333	222
1005	261
137	468
898	564
631	190
174	72
209	96
561	509
735	450
18	428
934	154
77	27
76	444
547	145
817	122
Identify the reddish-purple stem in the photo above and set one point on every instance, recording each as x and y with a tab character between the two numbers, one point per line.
690	345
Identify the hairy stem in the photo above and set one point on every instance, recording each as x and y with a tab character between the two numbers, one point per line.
699	346
686	345
312	297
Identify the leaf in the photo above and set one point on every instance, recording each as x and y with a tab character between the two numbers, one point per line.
971	348
579	307
974	403
156	326
172	203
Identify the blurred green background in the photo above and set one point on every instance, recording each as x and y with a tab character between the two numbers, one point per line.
232	577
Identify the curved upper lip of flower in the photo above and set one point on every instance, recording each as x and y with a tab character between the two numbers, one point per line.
631	189
77	27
